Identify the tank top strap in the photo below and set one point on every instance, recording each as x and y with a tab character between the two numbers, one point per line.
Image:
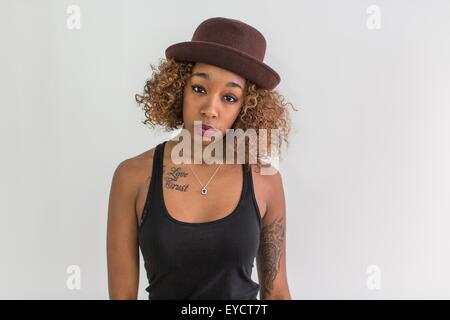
251	192
155	181
159	153
158	173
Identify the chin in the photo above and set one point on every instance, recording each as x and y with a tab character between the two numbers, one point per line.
206	141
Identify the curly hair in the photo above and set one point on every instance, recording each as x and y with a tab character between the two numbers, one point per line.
162	102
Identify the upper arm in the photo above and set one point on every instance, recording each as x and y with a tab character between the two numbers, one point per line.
271	258
122	235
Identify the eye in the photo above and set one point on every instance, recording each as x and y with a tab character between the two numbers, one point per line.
194	88
234	99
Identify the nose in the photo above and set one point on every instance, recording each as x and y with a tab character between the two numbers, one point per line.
210	109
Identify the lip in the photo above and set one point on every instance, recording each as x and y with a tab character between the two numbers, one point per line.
201	125
207	127
204	130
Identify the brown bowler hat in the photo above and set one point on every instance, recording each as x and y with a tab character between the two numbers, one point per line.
230	44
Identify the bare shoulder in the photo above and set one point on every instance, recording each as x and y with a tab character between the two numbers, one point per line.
134	164
268	186
132	172
269	178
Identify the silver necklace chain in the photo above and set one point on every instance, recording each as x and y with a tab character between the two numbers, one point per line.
203	190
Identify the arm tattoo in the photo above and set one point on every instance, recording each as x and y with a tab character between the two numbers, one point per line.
172	179
272	237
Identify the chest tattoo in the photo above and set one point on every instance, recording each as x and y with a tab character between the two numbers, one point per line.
173	177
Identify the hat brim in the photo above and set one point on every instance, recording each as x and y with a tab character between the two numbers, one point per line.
225	57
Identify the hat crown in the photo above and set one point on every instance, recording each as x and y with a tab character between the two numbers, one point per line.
232	33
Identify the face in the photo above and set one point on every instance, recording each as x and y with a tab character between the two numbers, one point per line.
213	96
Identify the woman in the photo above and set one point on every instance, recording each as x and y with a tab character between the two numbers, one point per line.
200	225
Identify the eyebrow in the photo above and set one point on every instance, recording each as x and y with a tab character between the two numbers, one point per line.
206	76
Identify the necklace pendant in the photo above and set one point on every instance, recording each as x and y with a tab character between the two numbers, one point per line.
204	191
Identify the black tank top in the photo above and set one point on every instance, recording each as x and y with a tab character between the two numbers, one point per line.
205	260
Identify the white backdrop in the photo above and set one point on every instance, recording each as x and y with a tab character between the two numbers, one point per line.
366	175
